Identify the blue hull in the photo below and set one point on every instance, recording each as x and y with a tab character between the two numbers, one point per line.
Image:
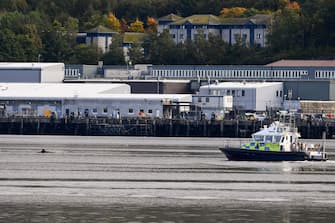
257	155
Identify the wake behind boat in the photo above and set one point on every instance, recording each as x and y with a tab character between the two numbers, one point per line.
278	142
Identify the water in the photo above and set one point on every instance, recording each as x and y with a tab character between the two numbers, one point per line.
134	179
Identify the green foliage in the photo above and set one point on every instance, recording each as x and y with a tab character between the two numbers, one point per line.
115	56
19	39
85	54
135	54
29	28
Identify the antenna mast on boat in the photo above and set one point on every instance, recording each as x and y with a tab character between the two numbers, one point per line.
323	145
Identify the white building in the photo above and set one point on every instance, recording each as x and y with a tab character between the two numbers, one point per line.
248	96
213	106
100	36
81	100
32	72
252	30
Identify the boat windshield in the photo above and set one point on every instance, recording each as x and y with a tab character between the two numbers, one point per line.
277	139
258	138
268	138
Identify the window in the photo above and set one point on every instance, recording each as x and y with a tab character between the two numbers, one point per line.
181	36
281	93
105	110
207	99
131	111
142	110
233	93
277	93
228	92
268	138
243	93
199	99
259	35
150	111
94	110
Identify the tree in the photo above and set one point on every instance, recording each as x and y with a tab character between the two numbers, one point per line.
58	43
287	31
115	56
233	12
160	49
152	24
20	40
137	26
113	22
135	53
86	54
124	25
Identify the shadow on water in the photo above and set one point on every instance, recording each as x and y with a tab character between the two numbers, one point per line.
251	212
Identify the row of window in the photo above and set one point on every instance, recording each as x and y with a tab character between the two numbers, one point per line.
325	74
234	93
230	73
72	72
242	37
105	110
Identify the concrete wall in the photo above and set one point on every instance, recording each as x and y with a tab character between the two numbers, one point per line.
309	90
53	73
269	97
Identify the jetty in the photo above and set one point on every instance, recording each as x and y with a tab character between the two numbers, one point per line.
153	127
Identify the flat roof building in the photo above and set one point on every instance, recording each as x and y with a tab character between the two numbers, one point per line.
248	96
32	72
83	100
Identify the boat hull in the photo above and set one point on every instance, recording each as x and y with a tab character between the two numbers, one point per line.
257	155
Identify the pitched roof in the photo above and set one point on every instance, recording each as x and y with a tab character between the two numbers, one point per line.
170	18
132	37
303	63
100	29
256	19
234	21
200	20
261	18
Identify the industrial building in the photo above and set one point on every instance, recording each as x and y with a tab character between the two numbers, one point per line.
32	72
247	96
87	100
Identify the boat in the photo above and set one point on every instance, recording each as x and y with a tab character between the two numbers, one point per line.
277	142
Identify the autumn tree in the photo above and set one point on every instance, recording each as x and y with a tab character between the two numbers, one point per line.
113	23
152	24
232	12
137	26
294	5
124	25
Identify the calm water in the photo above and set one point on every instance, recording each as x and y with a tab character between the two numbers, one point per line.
130	179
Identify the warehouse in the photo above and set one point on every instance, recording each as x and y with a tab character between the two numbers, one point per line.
87	100
248	96
32	72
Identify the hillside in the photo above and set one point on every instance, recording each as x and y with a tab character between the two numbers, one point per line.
45	30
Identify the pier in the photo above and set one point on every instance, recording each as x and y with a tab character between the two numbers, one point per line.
152	127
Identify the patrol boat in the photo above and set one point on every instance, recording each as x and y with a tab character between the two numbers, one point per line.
278	142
